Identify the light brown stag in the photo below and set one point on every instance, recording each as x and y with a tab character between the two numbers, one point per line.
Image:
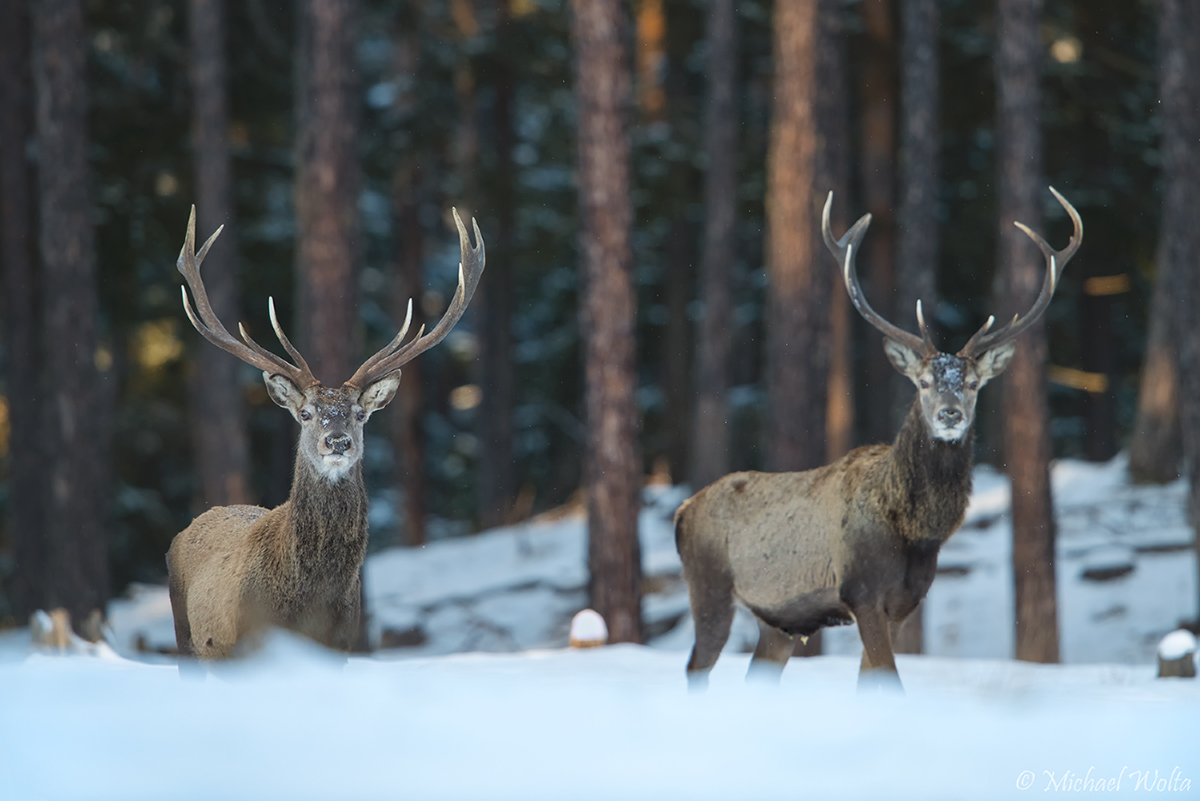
238	569
858	539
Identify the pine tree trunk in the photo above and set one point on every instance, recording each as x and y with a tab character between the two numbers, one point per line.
20	310
1026	416
833	173
1157	443
75	572
710	426
797	311
327	186
497	478
609	315
879	94
217	414
1179	75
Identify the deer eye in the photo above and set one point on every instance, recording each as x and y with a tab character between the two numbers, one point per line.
305	414
974	385
924	384
360	415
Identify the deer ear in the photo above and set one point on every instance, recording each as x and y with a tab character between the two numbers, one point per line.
993	362
906	360
380	393
284	392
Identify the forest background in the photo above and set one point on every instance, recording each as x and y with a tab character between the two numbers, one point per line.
332	137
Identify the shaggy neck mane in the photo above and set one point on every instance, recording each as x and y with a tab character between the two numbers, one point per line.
929	480
329	517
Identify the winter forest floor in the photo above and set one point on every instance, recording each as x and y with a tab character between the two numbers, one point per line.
435	715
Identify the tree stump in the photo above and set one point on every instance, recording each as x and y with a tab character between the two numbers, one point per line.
1177	655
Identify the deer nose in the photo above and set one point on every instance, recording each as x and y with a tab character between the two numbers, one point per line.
950	417
338	443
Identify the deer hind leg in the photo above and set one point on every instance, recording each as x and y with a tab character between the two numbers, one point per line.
771	654
712	611
878	662
183	628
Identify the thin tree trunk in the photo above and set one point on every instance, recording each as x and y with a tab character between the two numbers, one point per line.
497	470
609	315
408	435
1179	76
710	426
327	186
917	252
217	414
1156	445
20	309
1026	416
76	567
879	94
797	314
833	173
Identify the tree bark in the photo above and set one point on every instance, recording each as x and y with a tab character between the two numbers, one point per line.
75	572
1026	416
710	426
497	470
917	248
797	312
1158	442
217	414
1179	77
879	94
608	315
833	172
20	309
327	187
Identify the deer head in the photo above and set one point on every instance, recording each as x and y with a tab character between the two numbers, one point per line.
948	385
331	418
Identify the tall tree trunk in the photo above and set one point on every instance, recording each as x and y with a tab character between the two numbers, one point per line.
497	470
833	172
1179	77
609	315
216	411
710	426
879	190
1026	416
327	186
20	309
76	568
1157	444
797	314
408	435
917	251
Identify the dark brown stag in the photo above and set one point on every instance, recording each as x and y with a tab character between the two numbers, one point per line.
856	540
238	569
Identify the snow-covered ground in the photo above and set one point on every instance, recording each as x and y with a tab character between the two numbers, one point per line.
430	720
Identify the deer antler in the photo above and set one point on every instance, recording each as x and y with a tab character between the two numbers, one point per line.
392	356
844	250
213	330
1056	260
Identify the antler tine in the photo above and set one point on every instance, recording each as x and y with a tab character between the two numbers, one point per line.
392	357
205	321
844	250
1056	260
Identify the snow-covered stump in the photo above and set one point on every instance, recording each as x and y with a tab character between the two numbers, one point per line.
1177	655
588	630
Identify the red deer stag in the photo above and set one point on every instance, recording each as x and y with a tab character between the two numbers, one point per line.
237	569
856	540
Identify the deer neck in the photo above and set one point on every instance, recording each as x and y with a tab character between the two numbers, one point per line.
329	519
929	480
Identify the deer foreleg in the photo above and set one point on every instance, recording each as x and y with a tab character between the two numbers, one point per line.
771	654
878	662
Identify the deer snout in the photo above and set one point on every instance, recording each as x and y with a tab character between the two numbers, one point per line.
338	444
950	417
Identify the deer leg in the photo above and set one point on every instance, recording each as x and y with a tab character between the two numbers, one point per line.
712	611
878	663
183	629
771	654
